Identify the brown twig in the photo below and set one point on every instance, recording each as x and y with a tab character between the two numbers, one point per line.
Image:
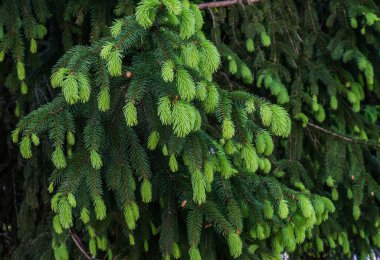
218	4
15	196
213	24
79	245
345	138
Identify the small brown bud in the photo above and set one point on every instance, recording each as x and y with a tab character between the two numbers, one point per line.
129	74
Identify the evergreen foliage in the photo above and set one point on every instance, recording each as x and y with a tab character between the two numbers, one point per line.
153	129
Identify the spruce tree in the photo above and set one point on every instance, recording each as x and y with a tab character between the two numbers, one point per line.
186	130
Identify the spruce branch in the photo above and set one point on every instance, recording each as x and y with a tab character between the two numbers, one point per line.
345	138
157	95
219	4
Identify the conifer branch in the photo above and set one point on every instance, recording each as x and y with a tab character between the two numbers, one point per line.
345	138
219	4
190	110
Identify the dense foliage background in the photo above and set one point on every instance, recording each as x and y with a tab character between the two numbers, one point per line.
177	129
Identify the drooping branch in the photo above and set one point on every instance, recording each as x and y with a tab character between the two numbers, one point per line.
218	4
345	138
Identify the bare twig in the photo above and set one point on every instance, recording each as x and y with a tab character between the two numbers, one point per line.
6	236
313	139
79	245
345	138
218	4
213	24
15	196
